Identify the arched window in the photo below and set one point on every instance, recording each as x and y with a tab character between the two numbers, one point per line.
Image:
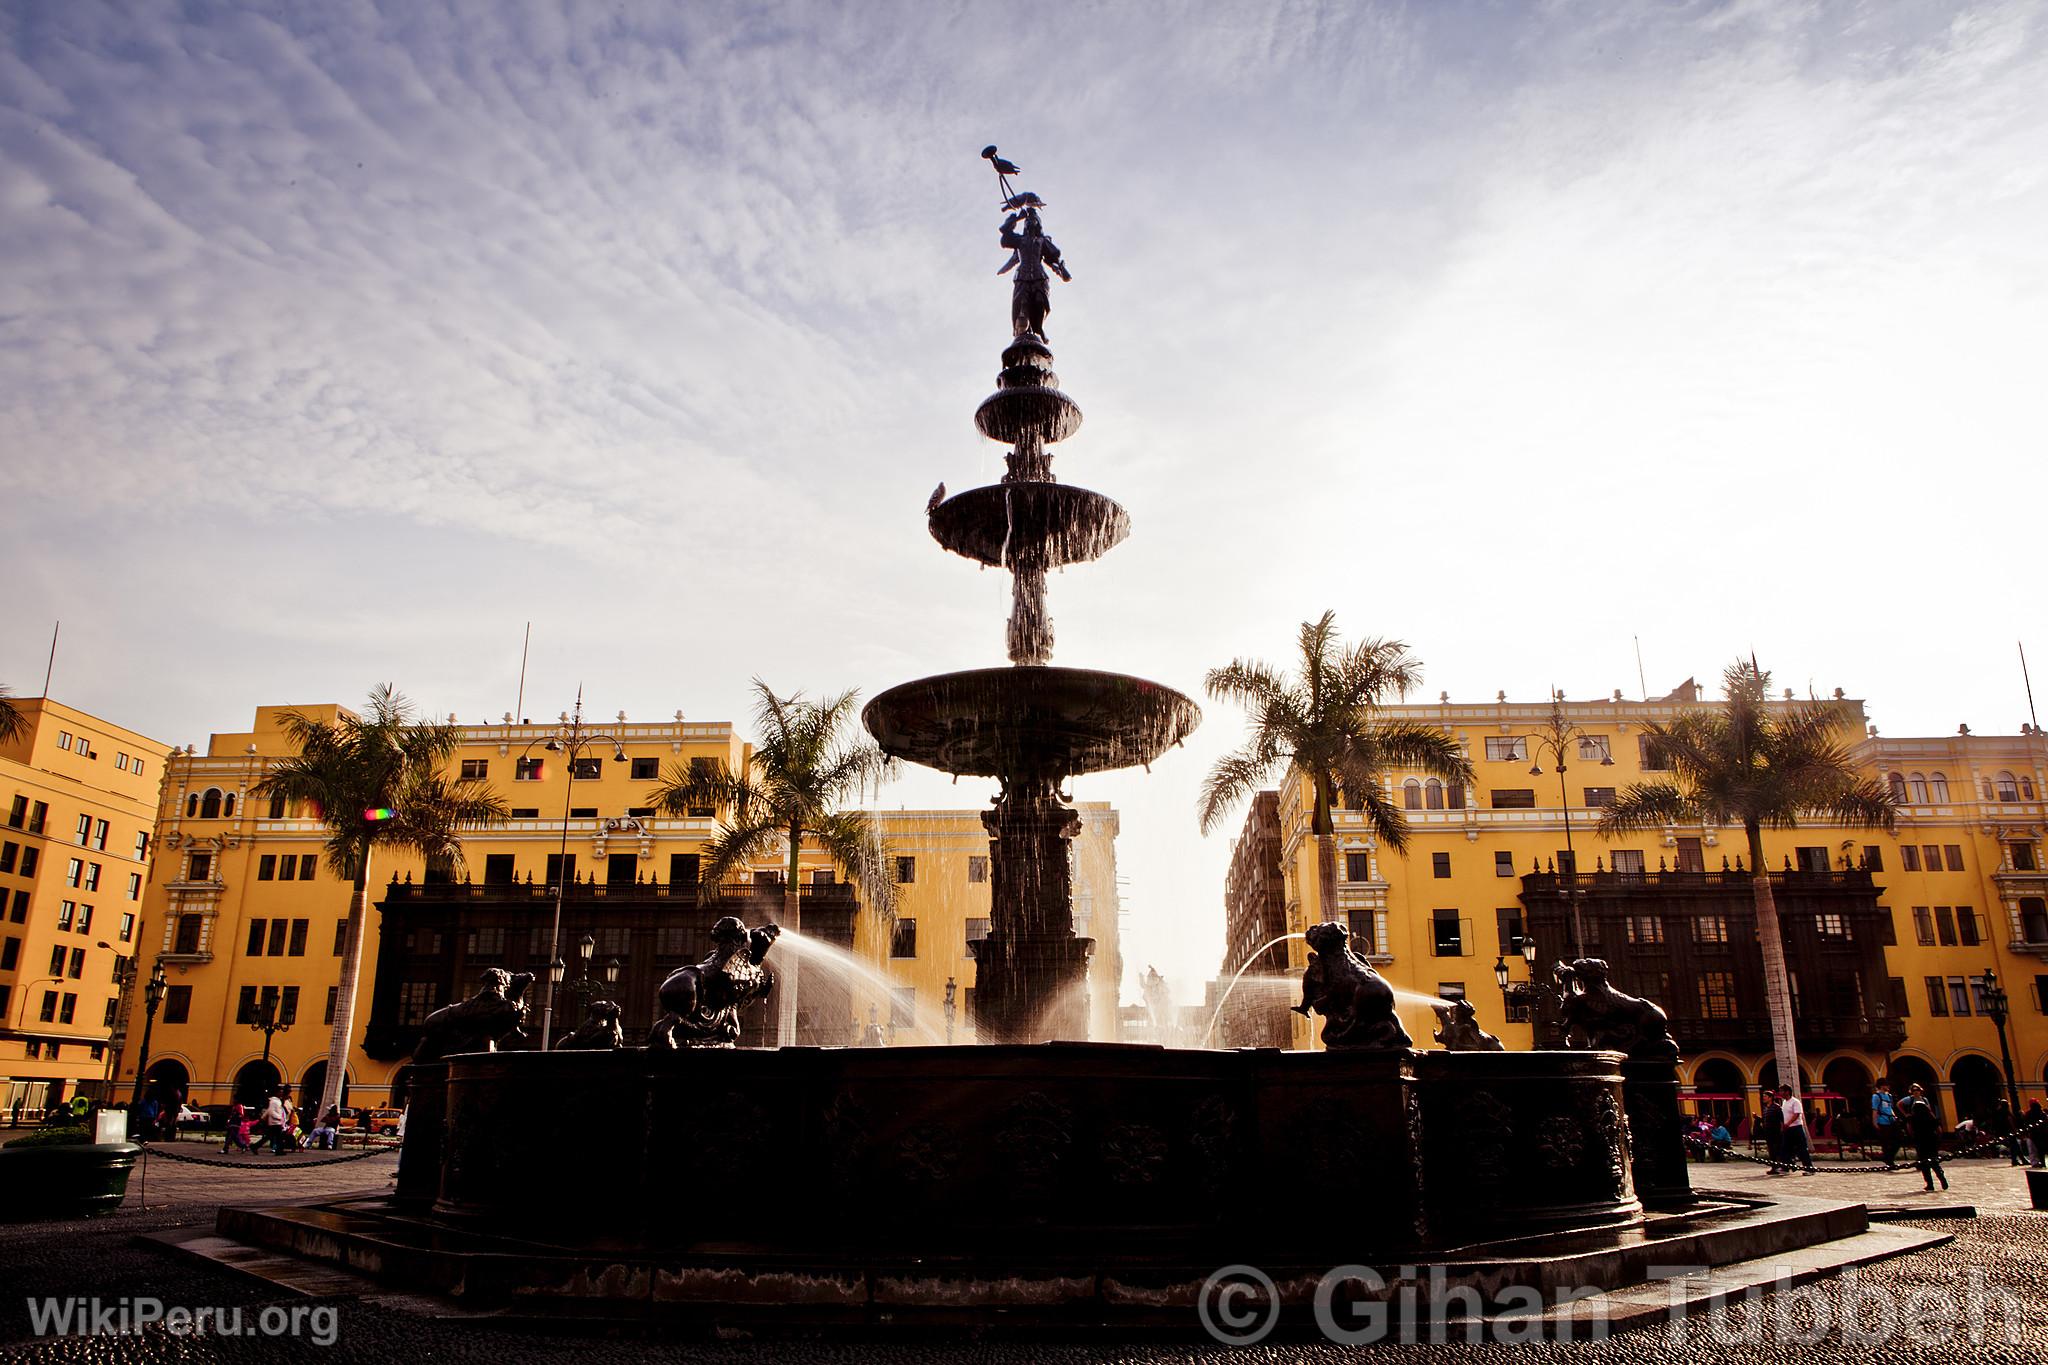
1917	783
209	804
1937	786
1411	795
192	806
1433	795
2008	787
227	804
2026	786
277	806
1898	784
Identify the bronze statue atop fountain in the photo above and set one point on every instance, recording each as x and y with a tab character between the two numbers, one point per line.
1355	1001
1457	1028
1595	1015
703	1000
599	1030
491	1016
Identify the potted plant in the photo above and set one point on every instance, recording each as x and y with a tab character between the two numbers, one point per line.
62	1173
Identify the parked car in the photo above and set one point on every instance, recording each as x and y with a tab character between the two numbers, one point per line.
188	1117
383	1122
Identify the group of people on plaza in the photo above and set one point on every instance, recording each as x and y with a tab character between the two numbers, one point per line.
276	1127
1898	1121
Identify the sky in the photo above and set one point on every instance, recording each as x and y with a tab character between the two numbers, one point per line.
340	341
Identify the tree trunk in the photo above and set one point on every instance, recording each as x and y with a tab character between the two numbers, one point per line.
786	967
345	990
1326	855
1777	981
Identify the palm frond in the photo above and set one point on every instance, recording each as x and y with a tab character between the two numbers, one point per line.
731	847
1233	778
11	720
854	843
1644	805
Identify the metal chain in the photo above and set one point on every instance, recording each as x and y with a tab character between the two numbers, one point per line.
169	1155
1981	1148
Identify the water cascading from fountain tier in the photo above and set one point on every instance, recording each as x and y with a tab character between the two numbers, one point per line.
1031	726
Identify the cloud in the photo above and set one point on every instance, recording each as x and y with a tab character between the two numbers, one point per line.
337	343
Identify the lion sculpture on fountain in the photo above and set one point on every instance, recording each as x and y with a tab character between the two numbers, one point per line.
1597	1016
1355	1001
1457	1028
493	1015
599	1030
702	1001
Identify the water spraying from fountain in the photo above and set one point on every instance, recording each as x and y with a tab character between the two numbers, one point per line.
830	957
1210	1032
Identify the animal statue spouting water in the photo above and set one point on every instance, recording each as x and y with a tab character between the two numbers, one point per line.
1355	1001
703	1000
1597	1016
1457	1028
599	1030
491	1016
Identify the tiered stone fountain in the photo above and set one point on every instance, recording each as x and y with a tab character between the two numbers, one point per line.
1032	726
1077	1186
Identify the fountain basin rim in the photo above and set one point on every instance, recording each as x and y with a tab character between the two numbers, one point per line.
1029	721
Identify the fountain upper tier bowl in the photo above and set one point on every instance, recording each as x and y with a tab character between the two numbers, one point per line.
1030	524
1044	722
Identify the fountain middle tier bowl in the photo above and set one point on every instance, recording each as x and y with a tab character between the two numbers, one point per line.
1042	525
1030	723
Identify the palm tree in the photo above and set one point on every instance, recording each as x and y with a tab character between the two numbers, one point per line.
790	788
377	781
11	723
1330	729
1760	766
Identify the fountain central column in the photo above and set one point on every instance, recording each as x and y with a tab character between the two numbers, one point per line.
1031	972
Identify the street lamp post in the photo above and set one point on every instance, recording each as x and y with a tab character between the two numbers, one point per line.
1519	992
585	985
1995	1008
152	997
1562	732
267	1022
571	739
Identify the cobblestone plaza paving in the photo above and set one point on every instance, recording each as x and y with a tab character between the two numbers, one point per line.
2003	1251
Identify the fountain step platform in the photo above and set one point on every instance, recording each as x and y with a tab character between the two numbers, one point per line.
1741	1245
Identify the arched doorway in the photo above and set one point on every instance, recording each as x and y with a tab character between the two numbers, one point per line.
1912	1071
255	1083
1846	1110
1977	1085
1718	1092
314	1082
167	1082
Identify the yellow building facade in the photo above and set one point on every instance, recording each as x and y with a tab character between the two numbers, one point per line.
1898	928
79	796
247	918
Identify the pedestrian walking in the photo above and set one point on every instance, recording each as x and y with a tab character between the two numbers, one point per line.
1772	1125
1793	1137
276	1118
2032	1132
1884	1118
1923	1125
238	1129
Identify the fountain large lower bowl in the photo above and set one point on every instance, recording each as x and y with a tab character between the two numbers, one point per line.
1044	722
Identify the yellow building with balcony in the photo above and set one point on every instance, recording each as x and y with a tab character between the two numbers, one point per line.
1888	935
247	919
80	799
